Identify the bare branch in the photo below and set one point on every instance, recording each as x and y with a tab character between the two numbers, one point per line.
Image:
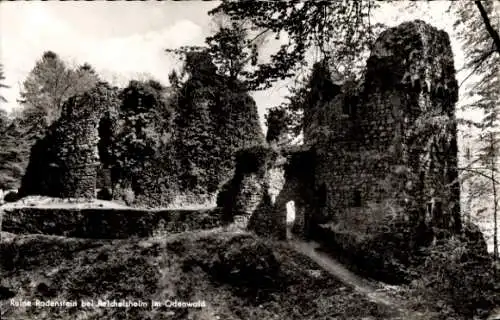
478	65
493	33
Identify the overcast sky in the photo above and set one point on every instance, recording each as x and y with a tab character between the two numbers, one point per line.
125	40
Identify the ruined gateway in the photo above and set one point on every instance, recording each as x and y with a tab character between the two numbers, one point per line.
376	151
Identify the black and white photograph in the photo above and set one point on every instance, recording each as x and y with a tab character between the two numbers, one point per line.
250	160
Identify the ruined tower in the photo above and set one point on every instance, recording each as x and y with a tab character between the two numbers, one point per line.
386	146
65	162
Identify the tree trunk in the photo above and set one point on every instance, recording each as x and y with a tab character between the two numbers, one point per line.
495	234
493	33
495	241
469	206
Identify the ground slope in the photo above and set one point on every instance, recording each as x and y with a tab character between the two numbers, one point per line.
238	276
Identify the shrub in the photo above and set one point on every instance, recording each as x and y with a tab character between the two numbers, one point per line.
460	276
244	264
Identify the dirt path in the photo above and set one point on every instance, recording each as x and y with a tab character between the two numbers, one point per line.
370	289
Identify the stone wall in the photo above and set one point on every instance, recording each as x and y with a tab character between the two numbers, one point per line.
107	223
264	182
65	162
387	145
377	152
245	193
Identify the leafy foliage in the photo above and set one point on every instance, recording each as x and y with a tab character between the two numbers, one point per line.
478	27
142	147
277	122
2	85
455	274
338	31
51	83
227	48
215	117
14	154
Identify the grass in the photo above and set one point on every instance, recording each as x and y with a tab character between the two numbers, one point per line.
238	275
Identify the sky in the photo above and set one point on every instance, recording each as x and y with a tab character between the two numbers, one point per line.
126	40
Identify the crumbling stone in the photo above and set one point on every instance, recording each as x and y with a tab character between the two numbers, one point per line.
383	147
65	162
264	182
372	129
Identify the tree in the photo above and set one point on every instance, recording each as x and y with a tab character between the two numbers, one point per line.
2	78
488	158
338	31
478	24
283	124
4	121
51	83
228	49
8	154
493	33
14	155
276	121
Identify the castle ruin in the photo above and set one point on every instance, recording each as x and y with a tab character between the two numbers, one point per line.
380	149
66	161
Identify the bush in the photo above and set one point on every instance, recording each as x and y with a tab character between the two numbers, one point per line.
386	253
460	276
244	262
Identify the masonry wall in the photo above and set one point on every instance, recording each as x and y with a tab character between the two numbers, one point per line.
65	162
264	182
380	153
79	156
106	223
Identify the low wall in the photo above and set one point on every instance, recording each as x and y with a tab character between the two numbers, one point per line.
107	223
